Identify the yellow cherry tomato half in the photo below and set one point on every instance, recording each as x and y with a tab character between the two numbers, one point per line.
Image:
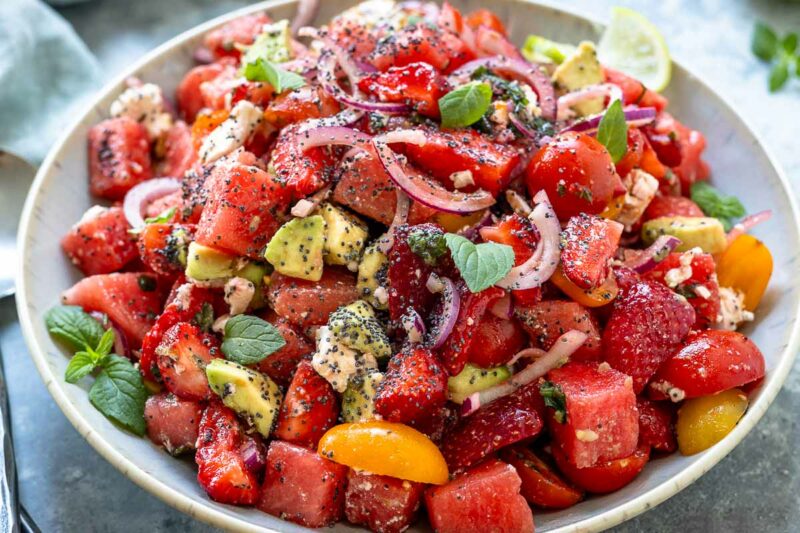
453	223
387	449
613	208
746	265
597	297
703	422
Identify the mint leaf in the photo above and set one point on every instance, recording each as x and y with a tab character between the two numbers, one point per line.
465	105
481	265
82	364
163	217
71	325
119	393
717	205
281	80
613	131
789	43
765	42
106	343
248	339
554	398
779	75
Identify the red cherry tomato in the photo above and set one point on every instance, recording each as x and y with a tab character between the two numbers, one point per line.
484	17
577	173
605	476
495	341
541	486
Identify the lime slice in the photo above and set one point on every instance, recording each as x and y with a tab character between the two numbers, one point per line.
633	45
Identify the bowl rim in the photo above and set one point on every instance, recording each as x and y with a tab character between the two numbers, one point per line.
183	503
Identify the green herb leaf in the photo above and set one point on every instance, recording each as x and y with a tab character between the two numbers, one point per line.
73	326
429	245
717	205
613	131
281	80
82	364
779	75
765	42
248	339
481	265
106	343
554	398
465	105
204	318
789	43
163	217
119	393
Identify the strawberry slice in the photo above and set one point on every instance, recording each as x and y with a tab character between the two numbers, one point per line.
408	274
417	84
503	422
221	471
183	355
646	327
657	425
414	386
310	408
547	321
587	244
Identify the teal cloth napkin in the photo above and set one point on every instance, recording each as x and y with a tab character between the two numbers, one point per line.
46	74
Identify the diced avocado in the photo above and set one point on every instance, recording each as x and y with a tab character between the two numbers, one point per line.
251	394
580	70
296	248
255	273
358	400
704	232
373	277
273	44
356	326
475	379
539	49
204	263
345	236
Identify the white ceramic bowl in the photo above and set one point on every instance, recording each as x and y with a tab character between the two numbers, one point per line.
740	164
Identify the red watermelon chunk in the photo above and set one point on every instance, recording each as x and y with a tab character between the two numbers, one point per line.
547	321
242	30
131	300
173	423
602	422
119	157
280	365
587	245
100	243
503	422
486	498
302	486
244	209
657	425
189	96
179	154
309	303
383	504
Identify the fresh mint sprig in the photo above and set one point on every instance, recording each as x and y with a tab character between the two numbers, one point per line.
612	131
781	53
481	265
716	204
465	105
249	339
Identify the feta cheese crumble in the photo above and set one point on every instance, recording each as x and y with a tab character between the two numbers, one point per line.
144	104
233	133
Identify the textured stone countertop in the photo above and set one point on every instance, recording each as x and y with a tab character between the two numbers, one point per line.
66	486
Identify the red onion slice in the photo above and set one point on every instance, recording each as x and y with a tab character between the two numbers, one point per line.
531	74
653	254
306	11
328	135
566	102
203	56
414	326
421	189
348	117
144	193
253	456
559	354
747	224
634	116
544	261
400	217
473	232
451	300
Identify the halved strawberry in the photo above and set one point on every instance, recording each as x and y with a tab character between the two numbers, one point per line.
657	425
221	471
546	321
647	324
309	409
300	104
417	84
408	274
301	172
587	245
162	247
183	355
309	303
503	422
280	365
100	243
119	157
671	206
415	385
172	422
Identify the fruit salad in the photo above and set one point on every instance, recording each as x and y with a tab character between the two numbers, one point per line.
397	268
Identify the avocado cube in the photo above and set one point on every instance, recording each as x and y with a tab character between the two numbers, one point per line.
580	70
345	236
475	379
705	233
358	400
356	326
372	281
296	248
204	263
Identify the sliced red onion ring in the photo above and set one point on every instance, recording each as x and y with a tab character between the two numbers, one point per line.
121	345
473	232
559	354
446	321
653	254
253	456
203	56
306	206
414	326
527	353
747	224
523	128
348	117
421	189
400	217
142	194
328	135
306	11
544	260
634	116
517	68
566	102
502	307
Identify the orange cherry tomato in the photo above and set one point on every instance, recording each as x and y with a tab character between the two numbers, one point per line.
453	223
613	208
205	124
597	297
386	449
746	265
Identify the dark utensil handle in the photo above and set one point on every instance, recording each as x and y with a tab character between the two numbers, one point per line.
9	513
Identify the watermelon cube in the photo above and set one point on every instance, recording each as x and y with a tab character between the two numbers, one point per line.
302	486
100	243
172	422
381	503
486	498
602	421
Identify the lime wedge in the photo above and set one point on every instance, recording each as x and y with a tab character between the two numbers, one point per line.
633	45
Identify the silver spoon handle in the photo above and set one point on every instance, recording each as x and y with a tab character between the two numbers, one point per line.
9	512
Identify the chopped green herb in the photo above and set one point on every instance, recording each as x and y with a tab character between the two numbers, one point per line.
716	204
281	80
249	339
613	131
554	399
428	244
